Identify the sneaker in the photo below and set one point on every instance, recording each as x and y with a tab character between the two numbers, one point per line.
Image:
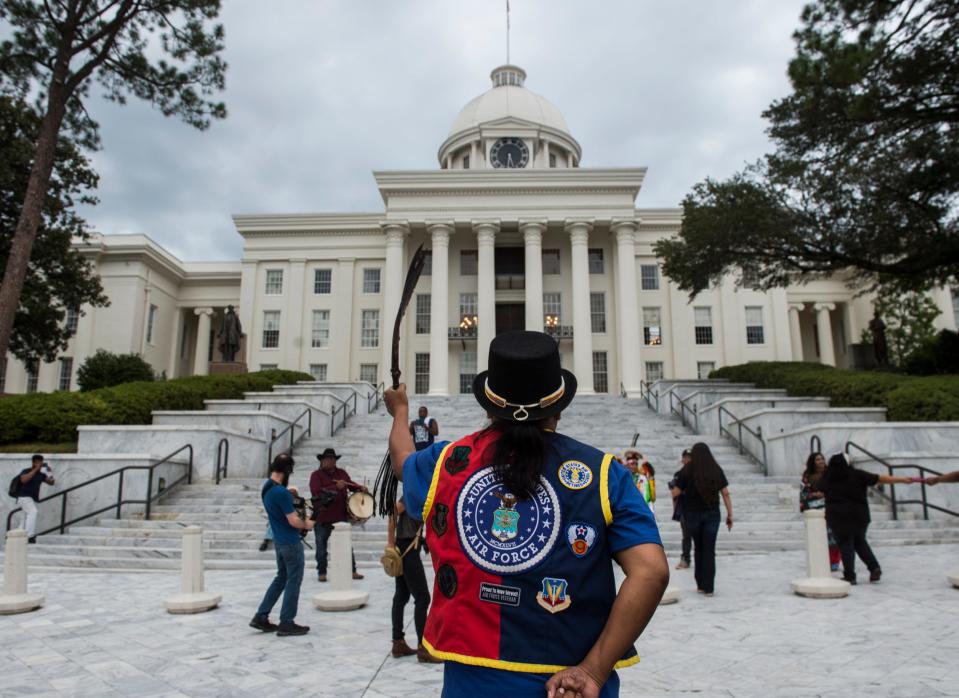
875	574
357	575
401	649
264	545
292	628
322	577
682	565
263	623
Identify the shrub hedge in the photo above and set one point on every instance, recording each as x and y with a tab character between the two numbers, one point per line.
54	417
906	398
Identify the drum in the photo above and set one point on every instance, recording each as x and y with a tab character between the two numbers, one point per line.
360	507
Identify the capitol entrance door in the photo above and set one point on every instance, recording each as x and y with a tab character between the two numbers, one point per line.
510	316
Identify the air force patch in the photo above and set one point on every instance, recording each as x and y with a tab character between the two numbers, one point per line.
575	475
502	534
553	597
581	537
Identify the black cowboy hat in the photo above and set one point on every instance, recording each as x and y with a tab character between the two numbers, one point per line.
328	453
524	380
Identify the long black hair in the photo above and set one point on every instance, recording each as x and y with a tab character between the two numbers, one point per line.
519	454
703	474
811	465
837	470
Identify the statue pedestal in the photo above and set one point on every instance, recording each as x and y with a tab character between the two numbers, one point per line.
221	368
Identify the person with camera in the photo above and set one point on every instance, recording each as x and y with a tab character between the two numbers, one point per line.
28	492
286	525
329	486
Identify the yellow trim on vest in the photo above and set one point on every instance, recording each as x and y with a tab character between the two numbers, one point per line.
511	666
435	481
604	488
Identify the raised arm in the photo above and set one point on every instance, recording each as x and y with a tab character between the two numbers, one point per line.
647	575
893	480
401	443
947	477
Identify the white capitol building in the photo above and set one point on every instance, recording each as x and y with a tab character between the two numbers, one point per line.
521	236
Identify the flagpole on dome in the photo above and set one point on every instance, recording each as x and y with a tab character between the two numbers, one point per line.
507	32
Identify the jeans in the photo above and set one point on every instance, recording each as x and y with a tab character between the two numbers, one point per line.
289	576
687	542
411	583
323	531
268	535
852	541
29	506
703	527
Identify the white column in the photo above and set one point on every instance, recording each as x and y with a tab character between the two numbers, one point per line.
474	155
582	328
827	354
533	244
486	289
15	597
795	330
628	302
439	309
545	153
175	338
295	330
193	598
820	584
341	318
394	276
201	359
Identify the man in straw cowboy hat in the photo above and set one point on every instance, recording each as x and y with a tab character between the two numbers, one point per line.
523	525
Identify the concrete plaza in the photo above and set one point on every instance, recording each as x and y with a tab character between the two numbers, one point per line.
106	634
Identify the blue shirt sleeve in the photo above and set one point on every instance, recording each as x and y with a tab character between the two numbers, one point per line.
633	522
417	476
283	499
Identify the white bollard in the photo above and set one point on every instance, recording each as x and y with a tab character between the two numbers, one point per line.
820	584
954	580
15	597
341	596
192	598
671	595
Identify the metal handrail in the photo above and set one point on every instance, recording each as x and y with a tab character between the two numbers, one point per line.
926	506
147	502
758	434
274	437
815	444
622	389
346	414
645	390
222	458
378	394
682	411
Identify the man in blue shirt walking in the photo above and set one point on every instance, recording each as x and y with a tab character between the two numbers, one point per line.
286	526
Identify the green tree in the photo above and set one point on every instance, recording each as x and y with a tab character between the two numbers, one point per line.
865	173
910	322
166	53
104	369
58	277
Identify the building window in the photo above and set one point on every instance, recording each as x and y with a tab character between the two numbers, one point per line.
754	325
73	319
322	281
467	305
654	371
32	378
3	375
649	277
466	162
274	282
371	281
271	329
595	260
423	313
467	371
370	329
553	306
703	324
422	373
600	372
321	329
704	368
427	264
66	374
318	371
552	160
652	327
269	367
551	261
597	312
469	261
369	373
151	323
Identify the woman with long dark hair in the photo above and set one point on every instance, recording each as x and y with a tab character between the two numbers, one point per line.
703	482
523	524
847	512
810	497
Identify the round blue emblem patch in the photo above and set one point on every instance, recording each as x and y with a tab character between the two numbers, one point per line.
575	475
501	534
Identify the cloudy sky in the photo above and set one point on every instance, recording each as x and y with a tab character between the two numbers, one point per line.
321	93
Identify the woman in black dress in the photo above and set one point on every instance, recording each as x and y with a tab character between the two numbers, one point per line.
847	512
703	482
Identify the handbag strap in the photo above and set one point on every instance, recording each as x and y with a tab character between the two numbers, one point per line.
416	540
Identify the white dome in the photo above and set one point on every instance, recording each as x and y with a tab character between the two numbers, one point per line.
508	98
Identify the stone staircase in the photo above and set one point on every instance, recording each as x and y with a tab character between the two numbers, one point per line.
766	508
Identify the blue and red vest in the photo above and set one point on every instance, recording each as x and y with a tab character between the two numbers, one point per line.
520	585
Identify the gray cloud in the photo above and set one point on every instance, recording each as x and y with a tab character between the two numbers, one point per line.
320	94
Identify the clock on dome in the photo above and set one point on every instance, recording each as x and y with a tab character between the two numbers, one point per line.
509	152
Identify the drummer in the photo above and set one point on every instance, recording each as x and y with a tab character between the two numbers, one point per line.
336	481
